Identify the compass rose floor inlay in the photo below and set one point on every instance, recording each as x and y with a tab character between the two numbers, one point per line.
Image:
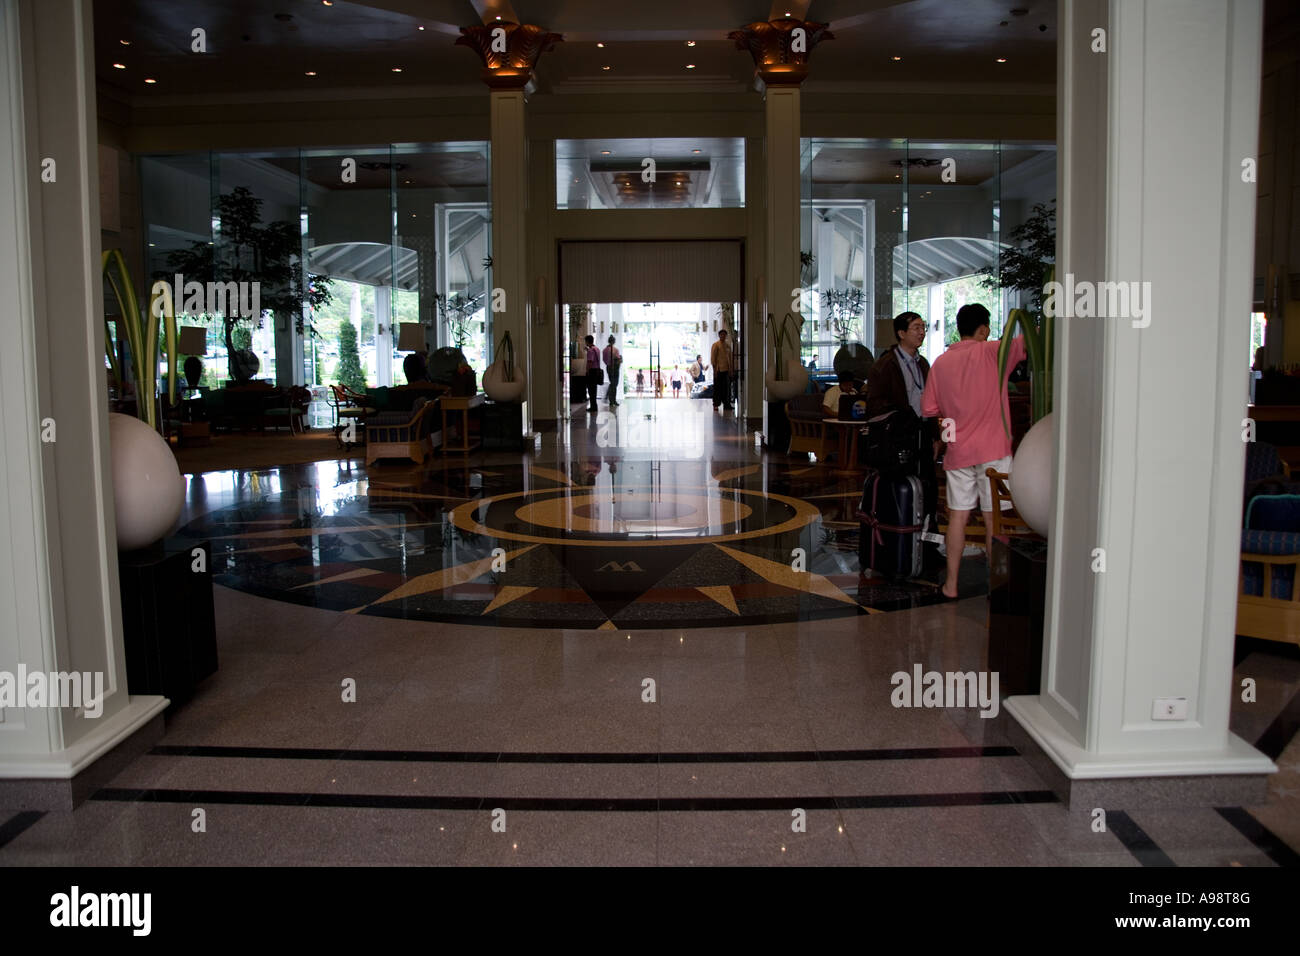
598	541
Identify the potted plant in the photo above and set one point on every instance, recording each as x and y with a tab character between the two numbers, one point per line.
503	381
141	334
458	311
1026	265
249	251
148	490
787	377
845	309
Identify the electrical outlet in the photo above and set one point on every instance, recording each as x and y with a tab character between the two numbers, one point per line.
1169	708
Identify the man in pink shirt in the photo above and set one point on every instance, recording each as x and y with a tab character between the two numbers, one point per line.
964	389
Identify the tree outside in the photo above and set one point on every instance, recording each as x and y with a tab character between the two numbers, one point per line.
350	375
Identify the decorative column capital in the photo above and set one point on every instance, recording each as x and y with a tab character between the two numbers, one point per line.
509	51
780	48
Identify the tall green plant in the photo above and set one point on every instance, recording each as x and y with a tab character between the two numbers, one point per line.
506	352
1040	348
141	332
784	337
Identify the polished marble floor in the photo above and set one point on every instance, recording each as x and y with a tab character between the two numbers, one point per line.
457	727
654	515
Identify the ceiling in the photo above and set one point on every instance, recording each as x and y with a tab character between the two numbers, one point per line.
255	46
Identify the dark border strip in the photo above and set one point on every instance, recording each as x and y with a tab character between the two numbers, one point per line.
568	804
15	825
1265	839
1279	733
453	756
1136	840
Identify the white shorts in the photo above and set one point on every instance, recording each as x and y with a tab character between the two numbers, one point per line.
970	484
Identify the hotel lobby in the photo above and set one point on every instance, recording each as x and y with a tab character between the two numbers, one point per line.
418	603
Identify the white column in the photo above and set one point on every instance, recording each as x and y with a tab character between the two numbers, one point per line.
934	341
288	350
509	228
1149	457
383	340
781	267
59	601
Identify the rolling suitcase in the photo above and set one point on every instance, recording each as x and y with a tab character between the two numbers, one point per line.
891	520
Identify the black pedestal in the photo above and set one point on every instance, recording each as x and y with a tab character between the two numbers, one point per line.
503	426
1017	597
777	427
168	620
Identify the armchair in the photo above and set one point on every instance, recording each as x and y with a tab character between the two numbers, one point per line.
400	434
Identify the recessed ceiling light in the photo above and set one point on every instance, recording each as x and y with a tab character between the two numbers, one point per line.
695	151
150	79
407	182
895	58
124	42
397	69
1002	59
690	43
419	28
690	66
604	152
328	3
604	68
311	72
600	46
498	18
152	244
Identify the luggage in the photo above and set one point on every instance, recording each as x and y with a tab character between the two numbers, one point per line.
891	521
891	443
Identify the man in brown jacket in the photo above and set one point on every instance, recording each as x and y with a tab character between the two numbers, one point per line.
897	379
896	382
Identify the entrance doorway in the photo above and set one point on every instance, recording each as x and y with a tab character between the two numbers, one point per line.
662	343
664	302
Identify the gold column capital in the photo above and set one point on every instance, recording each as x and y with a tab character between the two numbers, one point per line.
509	51
780	48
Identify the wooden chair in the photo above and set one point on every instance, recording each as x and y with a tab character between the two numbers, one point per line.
1005	520
1268	615
808	429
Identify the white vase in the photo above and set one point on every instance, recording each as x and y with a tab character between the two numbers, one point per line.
1033	485
794	383
498	389
148	490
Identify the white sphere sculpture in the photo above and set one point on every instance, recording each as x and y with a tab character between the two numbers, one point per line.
148	490
498	389
1032	482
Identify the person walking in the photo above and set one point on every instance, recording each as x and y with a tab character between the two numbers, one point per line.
593	372
724	364
676	378
964	388
640	380
613	362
